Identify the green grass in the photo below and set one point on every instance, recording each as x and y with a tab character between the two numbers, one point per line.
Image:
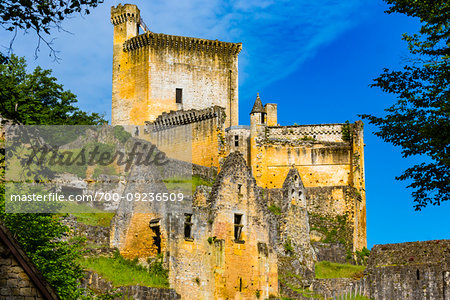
325	269
95	219
125	272
185	184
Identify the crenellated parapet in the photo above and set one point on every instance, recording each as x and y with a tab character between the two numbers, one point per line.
160	40
123	13
181	117
320	133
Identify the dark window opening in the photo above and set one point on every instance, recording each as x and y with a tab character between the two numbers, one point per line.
418	275
240	284
239	188
179	95
157	238
238	227
236	141
188	226
262	119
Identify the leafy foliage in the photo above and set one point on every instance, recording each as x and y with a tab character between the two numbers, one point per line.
121	134
346	131
362	256
37	99
39	235
30	99
419	121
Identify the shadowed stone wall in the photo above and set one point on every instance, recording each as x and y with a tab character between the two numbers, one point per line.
415	270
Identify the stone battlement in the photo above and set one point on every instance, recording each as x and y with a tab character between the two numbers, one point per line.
181	117
411	253
321	132
124	13
161	40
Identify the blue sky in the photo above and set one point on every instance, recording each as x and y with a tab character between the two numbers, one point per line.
315	59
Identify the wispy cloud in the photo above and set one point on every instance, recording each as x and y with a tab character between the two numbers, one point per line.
277	37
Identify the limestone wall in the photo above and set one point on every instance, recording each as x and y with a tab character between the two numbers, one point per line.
237	139
14	282
415	270
195	136
330	161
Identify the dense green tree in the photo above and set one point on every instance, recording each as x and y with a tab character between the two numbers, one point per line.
37	99
419	121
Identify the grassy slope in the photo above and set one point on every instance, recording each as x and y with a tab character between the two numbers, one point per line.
123	272
325	269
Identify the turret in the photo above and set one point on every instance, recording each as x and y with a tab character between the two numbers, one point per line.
126	19
258	113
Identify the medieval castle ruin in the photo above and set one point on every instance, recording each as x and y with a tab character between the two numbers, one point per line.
281	196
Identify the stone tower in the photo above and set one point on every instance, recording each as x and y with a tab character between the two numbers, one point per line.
155	73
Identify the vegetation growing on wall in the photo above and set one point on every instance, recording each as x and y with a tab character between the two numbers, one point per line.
334	229
276	210
346	131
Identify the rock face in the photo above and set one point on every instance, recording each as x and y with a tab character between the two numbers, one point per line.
416	270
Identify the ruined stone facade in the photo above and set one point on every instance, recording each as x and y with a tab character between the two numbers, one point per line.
280	188
225	242
414	270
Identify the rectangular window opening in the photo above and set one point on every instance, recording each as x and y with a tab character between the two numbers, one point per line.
236	141
179	95
238	227
188	226
157	238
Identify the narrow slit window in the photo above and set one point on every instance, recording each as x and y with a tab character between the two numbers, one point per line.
188	226
239	188
238	227
179	95
236	141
